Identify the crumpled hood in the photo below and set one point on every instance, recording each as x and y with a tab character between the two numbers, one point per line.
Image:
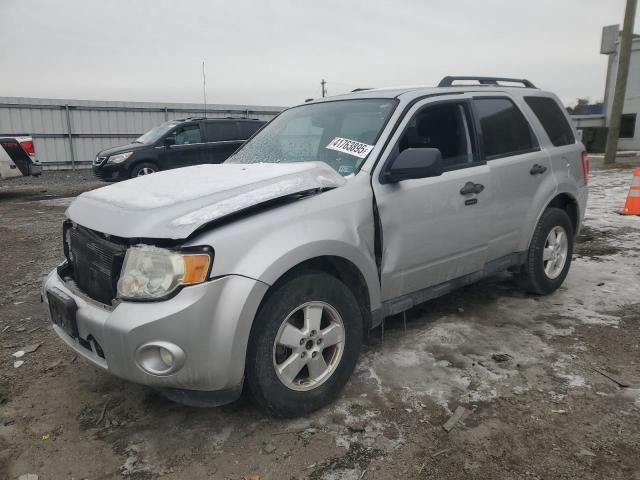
175	203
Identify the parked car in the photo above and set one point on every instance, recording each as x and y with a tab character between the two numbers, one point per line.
18	157
178	143
269	270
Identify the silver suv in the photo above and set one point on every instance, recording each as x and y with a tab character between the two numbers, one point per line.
269	270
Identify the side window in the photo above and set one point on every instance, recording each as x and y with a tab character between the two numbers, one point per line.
186	135
505	131
627	125
552	119
444	126
249	128
221	131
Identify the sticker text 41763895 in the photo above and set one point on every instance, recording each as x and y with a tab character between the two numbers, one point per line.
358	149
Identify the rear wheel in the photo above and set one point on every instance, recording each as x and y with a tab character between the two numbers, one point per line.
144	168
550	251
304	344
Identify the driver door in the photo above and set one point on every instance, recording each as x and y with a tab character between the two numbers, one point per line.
183	147
432	233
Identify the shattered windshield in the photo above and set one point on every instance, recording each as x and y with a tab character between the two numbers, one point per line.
155	133
340	134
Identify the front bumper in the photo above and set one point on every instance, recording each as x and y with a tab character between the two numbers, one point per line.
210	322
111	172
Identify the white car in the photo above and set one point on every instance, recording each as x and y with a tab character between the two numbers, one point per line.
18	157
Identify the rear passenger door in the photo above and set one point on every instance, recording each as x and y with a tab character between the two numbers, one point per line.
518	169
222	139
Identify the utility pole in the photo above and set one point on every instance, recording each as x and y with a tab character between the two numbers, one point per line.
621	82
324	89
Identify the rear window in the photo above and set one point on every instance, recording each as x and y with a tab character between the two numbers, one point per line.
221	131
552	119
505	131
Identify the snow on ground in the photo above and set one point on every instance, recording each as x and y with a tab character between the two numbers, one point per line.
608	191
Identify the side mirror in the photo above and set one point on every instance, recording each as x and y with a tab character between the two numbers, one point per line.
169	140
414	163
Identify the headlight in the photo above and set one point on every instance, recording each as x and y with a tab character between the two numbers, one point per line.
151	273
119	158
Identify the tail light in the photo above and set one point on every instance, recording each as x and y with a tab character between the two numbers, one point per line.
27	146
585	167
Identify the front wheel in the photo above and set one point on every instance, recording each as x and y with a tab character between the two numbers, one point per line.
144	168
304	344
549	255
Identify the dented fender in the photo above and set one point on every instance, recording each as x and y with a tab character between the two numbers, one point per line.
268	244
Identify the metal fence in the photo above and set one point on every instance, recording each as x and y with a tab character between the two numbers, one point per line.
69	133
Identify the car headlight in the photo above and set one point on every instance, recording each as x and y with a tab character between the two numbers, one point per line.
152	273
119	158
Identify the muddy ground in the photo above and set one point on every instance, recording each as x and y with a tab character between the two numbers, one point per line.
542	412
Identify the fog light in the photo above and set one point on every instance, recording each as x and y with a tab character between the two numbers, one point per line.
160	358
166	357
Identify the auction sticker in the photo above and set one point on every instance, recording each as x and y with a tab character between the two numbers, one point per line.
351	147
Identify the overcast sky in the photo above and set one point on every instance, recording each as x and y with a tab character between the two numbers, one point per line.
276	52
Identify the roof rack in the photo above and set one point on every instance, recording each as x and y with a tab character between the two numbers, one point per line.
448	81
234	118
212	118
360	89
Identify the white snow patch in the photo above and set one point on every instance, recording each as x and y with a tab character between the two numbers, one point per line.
343	474
57	202
574	381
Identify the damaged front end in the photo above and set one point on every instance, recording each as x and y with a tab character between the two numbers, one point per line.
109	269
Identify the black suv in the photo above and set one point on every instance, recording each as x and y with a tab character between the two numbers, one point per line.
174	144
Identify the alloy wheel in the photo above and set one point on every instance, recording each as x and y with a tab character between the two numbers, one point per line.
309	346
556	249
145	171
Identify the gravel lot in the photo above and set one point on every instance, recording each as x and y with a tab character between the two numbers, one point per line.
544	412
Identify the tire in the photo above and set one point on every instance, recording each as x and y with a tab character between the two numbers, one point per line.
143	168
302	296
539	275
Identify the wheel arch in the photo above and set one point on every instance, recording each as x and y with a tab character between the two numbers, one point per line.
345	271
564	201
569	204
137	162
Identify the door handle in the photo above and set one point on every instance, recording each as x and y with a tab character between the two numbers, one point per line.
471	188
537	169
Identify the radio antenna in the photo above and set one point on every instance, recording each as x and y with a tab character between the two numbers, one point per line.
204	88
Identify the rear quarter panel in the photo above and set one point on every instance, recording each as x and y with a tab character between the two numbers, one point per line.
566	172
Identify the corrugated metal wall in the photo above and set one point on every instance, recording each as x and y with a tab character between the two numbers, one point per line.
68	132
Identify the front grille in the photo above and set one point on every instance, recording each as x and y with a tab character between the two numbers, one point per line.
96	263
99	161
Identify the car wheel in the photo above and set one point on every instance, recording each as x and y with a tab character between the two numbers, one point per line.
144	168
304	344
549	256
